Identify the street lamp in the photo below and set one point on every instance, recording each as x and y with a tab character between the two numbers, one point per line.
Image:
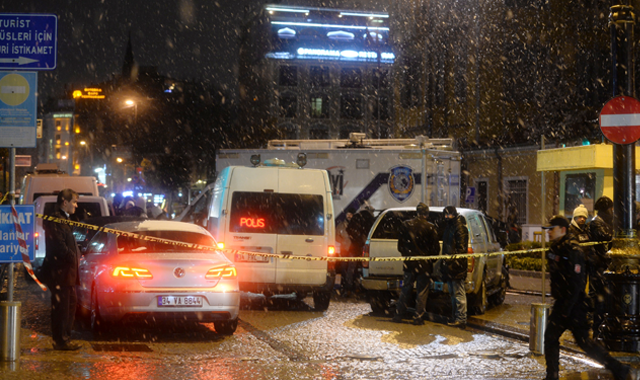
131	103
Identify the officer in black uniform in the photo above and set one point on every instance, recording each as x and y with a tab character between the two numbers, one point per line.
417	237
568	279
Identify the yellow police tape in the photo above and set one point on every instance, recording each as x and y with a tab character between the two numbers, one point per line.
290	257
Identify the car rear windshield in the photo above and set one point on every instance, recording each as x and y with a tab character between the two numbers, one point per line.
277	213
390	223
128	245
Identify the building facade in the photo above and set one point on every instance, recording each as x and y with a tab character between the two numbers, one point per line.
331	72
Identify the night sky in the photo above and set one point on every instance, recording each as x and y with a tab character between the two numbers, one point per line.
185	39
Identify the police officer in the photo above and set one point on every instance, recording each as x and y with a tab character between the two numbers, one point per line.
568	279
417	237
455	241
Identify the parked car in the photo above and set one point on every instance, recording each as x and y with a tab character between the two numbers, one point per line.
487	277
83	235
126	277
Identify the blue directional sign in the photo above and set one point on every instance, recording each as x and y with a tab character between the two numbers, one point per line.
18	109
28	41
9	245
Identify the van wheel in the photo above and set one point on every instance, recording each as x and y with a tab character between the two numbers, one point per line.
380	302
479	306
321	300
498	297
226	327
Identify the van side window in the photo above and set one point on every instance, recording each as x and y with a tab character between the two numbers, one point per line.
277	213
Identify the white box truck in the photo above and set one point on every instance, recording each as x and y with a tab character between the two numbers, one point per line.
385	172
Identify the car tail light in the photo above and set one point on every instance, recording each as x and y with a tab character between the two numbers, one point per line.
471	261
220	245
331	250
127	272
221	272
37	239
365	253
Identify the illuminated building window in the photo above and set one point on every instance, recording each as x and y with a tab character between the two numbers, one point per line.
319	106
288	105
351	78
288	76
58	139
319	76
58	125
351	106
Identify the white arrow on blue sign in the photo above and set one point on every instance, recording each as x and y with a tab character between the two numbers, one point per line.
28	41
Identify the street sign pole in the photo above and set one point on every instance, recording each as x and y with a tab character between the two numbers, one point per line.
12	192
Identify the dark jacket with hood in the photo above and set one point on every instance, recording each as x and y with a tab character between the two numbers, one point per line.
60	265
418	237
599	230
567	271
455	240
358	229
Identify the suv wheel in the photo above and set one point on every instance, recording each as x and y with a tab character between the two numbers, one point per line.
498	297
321	300
479	306
380	301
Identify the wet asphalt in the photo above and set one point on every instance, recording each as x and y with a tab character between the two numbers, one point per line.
285	338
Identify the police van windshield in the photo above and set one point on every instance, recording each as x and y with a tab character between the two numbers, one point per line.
276	213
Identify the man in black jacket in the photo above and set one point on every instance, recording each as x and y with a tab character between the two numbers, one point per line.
358	230
60	270
417	237
568	279
455	241
597	261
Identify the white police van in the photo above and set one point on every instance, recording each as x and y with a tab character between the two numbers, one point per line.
273	207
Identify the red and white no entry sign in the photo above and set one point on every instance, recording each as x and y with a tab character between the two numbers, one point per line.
620	120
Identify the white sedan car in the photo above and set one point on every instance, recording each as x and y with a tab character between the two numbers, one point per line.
125	277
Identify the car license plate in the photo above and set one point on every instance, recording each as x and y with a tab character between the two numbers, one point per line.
438	285
244	258
180	301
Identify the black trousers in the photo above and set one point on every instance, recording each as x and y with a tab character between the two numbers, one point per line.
577	323
63	311
598	293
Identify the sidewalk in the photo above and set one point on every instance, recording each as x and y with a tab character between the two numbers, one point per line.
513	320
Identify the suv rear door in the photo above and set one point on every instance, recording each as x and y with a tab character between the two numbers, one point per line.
384	242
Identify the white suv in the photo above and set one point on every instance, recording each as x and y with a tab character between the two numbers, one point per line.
487	277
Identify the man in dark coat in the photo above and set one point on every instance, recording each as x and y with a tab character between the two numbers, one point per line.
417	237
599	229
455	241
358	230
566	265
60	270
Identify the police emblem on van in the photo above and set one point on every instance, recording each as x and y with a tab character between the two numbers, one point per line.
401	182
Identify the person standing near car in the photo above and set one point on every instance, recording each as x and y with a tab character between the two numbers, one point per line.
566	263
358	230
60	270
455	241
342	238
599	230
417	237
